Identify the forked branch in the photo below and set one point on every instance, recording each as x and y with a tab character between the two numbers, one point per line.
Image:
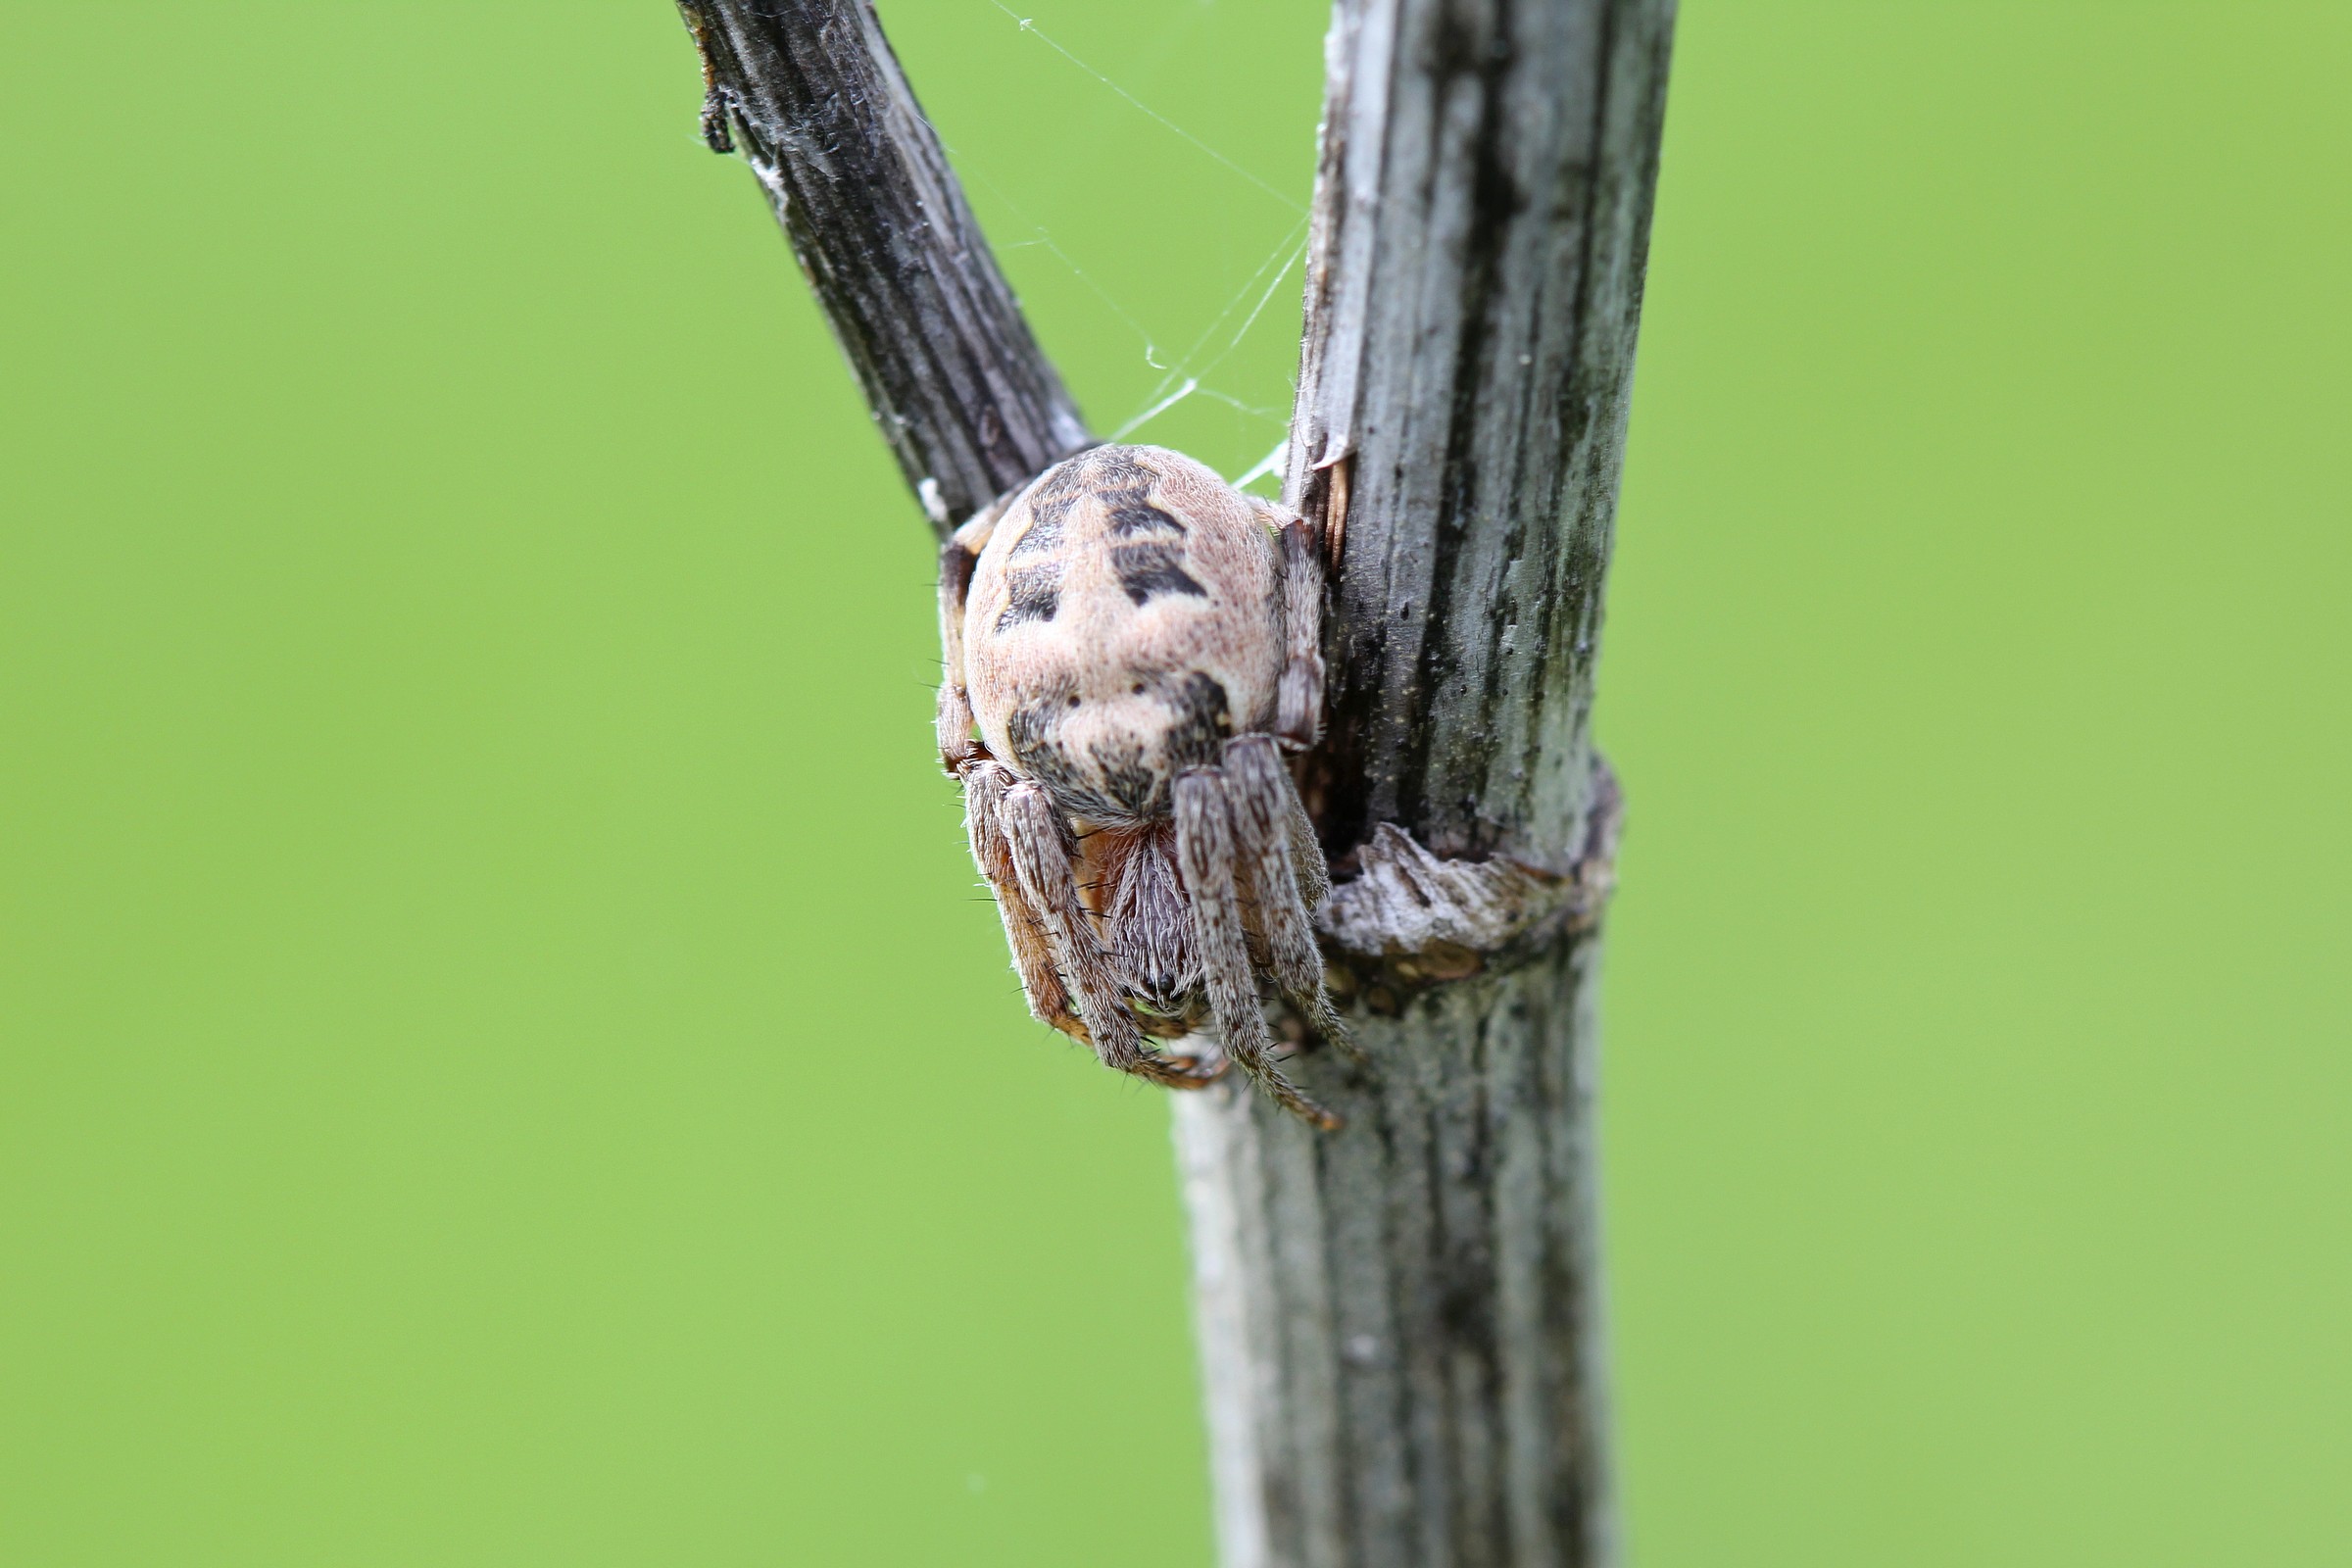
1400	1323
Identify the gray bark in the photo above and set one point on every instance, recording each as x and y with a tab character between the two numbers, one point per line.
811	94
1400	1323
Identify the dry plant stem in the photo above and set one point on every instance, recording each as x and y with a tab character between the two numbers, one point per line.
1401	1324
811	94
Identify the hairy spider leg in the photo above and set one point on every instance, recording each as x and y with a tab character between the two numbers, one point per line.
1299	699
1313	872
1041	858
1259	789
1025	932
957	559
1204	851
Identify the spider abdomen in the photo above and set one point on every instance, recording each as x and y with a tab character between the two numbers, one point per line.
1135	640
1122	624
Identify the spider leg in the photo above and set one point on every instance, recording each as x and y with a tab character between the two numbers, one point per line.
957	559
984	786
1299	699
1259	791
1039	847
1306	856
1204	851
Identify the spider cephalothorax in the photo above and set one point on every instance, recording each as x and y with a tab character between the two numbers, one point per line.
1132	637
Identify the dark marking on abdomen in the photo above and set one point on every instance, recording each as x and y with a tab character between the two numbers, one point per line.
1129	514
1042	536
1057	490
1034	731
1204	720
1033	593
1149	569
1126	779
1125	490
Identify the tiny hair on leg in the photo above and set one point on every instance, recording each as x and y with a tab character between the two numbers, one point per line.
1025	931
1204	851
1306	852
1299	711
1259	789
957	560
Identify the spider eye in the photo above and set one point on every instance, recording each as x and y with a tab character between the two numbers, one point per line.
1137	688
1073	699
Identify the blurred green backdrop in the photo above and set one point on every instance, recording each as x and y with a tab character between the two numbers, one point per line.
504	1060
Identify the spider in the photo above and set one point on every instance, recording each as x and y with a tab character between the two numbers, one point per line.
1133	640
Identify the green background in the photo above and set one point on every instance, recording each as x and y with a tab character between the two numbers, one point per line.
504	1064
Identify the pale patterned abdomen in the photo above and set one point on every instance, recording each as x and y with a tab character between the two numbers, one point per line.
1121	624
